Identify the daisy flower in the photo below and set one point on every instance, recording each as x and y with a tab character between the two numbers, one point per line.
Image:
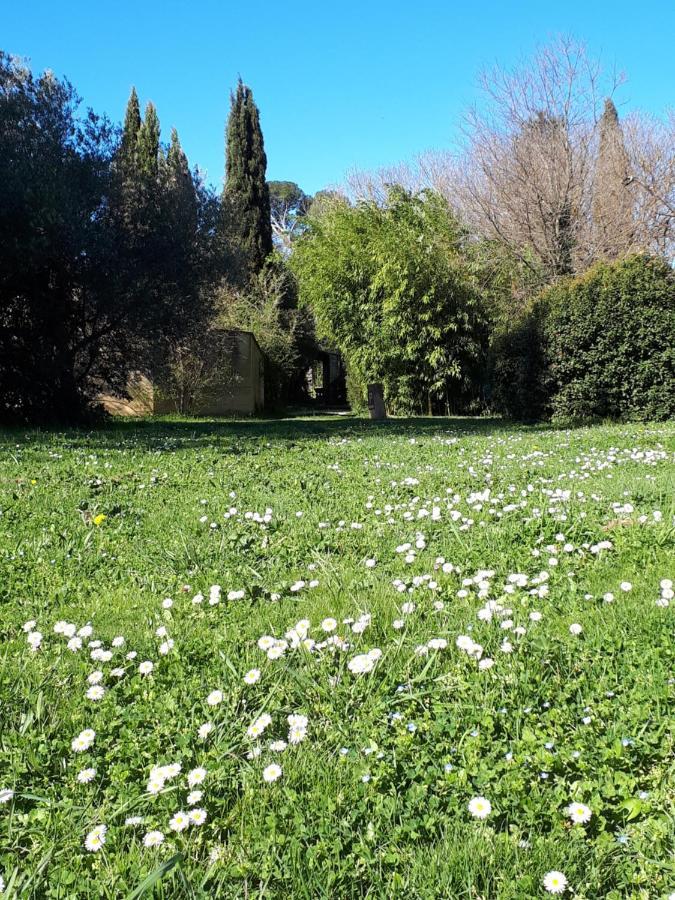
155	784
297	734
272	773
555	882
579	813
153	839
205	730
197	816
95	839
196	776
180	821
480	808
95	692
86	775
252	676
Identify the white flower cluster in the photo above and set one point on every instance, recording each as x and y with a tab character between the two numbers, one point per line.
666	595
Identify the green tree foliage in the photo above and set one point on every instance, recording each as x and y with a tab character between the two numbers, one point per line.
246	195
268	307
391	290
55	309
609	341
100	265
148	150
598	346
519	380
132	125
289	205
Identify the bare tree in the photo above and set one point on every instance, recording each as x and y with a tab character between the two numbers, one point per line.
546	174
527	168
650	144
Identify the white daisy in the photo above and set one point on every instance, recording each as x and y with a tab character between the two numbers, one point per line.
579	813
95	839
480	808
555	882
153	839
179	821
196	776
197	816
86	775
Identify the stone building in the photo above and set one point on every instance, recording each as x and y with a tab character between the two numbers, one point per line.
235	386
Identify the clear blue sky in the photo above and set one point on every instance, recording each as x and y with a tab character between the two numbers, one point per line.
339	84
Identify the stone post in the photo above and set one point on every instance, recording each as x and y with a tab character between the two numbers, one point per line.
376	401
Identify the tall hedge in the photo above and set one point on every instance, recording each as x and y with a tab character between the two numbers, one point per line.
519	383
598	346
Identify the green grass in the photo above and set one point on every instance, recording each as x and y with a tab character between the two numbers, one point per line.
374	801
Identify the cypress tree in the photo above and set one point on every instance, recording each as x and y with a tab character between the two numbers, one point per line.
181	185
148	143
132	125
246	190
613	226
176	159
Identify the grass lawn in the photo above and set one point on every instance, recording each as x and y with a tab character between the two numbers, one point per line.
469	625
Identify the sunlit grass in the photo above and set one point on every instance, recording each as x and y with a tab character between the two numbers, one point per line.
102	528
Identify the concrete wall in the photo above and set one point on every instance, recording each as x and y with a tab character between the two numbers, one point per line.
241	391
244	393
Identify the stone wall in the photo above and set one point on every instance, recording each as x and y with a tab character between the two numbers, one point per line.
241	391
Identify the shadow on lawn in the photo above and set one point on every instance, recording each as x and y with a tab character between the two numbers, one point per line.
154	433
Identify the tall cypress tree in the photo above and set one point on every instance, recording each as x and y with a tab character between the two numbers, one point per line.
132	125
180	184
176	159
148	143
613	226
246	191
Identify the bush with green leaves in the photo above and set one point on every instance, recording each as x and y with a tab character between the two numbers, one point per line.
391	288
268	307
610	342
598	346
519	384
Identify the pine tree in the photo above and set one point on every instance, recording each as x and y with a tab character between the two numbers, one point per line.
132	125
148	144
246	191
613	226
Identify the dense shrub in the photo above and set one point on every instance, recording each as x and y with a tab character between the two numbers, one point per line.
519	382
391	289
609	342
599	346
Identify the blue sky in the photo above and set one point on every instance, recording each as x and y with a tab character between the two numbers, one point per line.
339	85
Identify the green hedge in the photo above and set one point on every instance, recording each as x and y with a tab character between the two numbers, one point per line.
598	346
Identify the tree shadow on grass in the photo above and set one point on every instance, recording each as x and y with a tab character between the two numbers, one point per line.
232	435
